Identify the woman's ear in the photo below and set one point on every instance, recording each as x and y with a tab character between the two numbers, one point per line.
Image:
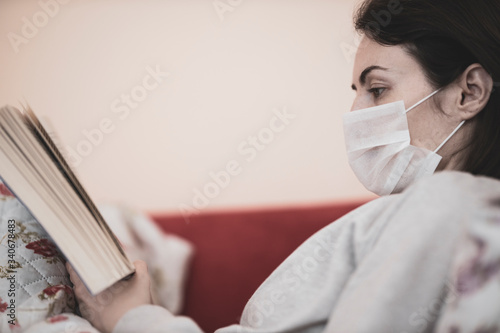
475	87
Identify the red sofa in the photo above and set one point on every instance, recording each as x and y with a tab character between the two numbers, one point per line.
237	250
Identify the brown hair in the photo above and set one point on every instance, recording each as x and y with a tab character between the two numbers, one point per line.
446	37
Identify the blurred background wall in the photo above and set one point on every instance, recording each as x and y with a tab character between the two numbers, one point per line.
190	105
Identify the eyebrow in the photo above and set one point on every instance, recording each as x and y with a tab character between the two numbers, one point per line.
364	74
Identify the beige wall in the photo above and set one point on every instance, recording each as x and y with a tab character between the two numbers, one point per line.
222	77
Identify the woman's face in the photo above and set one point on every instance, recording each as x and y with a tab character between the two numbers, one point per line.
385	74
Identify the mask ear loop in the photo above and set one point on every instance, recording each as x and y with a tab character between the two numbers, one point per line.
449	136
424	99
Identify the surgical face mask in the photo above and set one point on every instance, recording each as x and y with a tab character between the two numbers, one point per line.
379	151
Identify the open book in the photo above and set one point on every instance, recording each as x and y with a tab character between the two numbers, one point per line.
35	171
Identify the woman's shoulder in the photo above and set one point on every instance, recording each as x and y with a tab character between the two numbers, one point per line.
458	180
455	187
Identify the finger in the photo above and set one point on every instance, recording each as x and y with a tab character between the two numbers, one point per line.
141	266
141	271
72	274
68	267
79	288
77	282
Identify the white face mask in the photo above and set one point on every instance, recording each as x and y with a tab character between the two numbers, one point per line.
379	150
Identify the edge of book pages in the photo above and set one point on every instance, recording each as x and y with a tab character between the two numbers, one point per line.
36	172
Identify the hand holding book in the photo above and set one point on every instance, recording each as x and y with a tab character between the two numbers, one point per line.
105	309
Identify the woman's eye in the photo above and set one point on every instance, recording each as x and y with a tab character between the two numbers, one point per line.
376	92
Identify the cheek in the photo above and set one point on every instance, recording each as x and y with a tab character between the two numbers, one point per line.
421	130
362	102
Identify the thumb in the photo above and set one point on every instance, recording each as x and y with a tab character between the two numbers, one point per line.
141	270
141	266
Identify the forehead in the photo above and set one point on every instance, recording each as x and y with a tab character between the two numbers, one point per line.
394	58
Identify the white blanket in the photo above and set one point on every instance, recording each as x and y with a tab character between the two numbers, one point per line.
426	260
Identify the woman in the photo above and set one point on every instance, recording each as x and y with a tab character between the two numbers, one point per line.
417	261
